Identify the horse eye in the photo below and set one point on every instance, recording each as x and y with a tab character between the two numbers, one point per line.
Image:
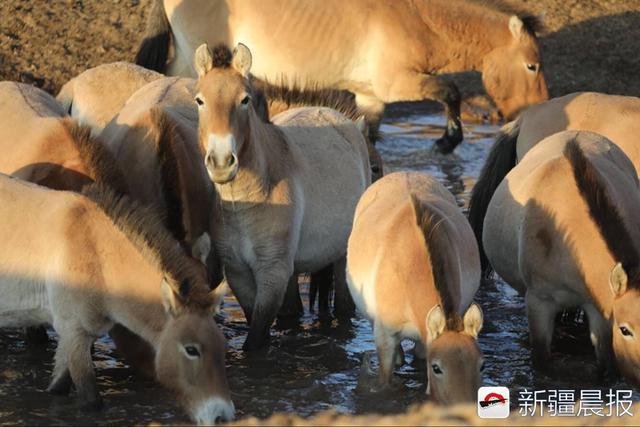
532	67
191	351
625	331
436	369
245	100
199	101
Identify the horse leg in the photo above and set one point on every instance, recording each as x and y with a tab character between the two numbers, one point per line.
386	347
398	357
292	305
602	341
414	86
342	301
373	110
271	287
243	285
321	285
74	351
137	352
541	313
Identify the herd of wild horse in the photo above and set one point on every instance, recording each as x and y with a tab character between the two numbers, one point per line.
133	201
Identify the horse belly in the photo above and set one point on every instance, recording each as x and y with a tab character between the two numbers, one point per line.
23	302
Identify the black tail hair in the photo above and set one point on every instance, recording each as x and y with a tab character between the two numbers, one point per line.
154	49
501	160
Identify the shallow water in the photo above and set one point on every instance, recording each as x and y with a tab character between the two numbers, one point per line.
316	365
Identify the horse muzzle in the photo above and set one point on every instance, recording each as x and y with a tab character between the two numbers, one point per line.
221	171
213	411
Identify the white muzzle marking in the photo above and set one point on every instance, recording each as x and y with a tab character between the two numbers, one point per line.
214	410
220	148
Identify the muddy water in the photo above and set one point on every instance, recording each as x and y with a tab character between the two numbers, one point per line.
314	365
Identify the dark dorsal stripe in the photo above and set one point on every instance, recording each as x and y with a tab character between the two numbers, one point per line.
101	166
445	280
602	210
145	229
171	181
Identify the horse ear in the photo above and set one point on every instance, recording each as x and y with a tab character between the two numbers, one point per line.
242	59
202	248
436	322
171	299
515	26
203	61
473	320
618	280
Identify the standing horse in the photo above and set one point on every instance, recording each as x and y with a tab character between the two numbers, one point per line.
287	190
41	145
562	228
412	270
383	51
615	117
82	264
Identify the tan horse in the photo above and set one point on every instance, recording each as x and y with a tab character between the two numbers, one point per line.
287	190
95	96
383	51
413	269
615	117
562	229
82	264
41	145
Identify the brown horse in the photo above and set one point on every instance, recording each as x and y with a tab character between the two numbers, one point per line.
382	51
96	95
413	269
287	190
41	145
85	262
562	229
615	117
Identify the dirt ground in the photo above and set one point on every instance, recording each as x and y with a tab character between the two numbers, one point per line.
588	45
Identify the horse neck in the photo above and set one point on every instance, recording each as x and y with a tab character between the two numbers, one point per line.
132	286
470	32
259	161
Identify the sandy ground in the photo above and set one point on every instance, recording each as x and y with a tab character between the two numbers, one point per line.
589	44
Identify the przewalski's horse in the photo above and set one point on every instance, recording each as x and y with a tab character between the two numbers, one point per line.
382	51
41	144
286	191
615	117
413	269
84	262
96	95
562	229
154	139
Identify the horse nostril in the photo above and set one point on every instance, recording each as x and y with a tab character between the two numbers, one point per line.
208	160
231	160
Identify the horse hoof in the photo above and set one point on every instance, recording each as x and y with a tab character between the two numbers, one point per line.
92	405
254	344
451	139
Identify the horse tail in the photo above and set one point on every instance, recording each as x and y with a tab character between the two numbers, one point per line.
154	50
65	96
501	160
